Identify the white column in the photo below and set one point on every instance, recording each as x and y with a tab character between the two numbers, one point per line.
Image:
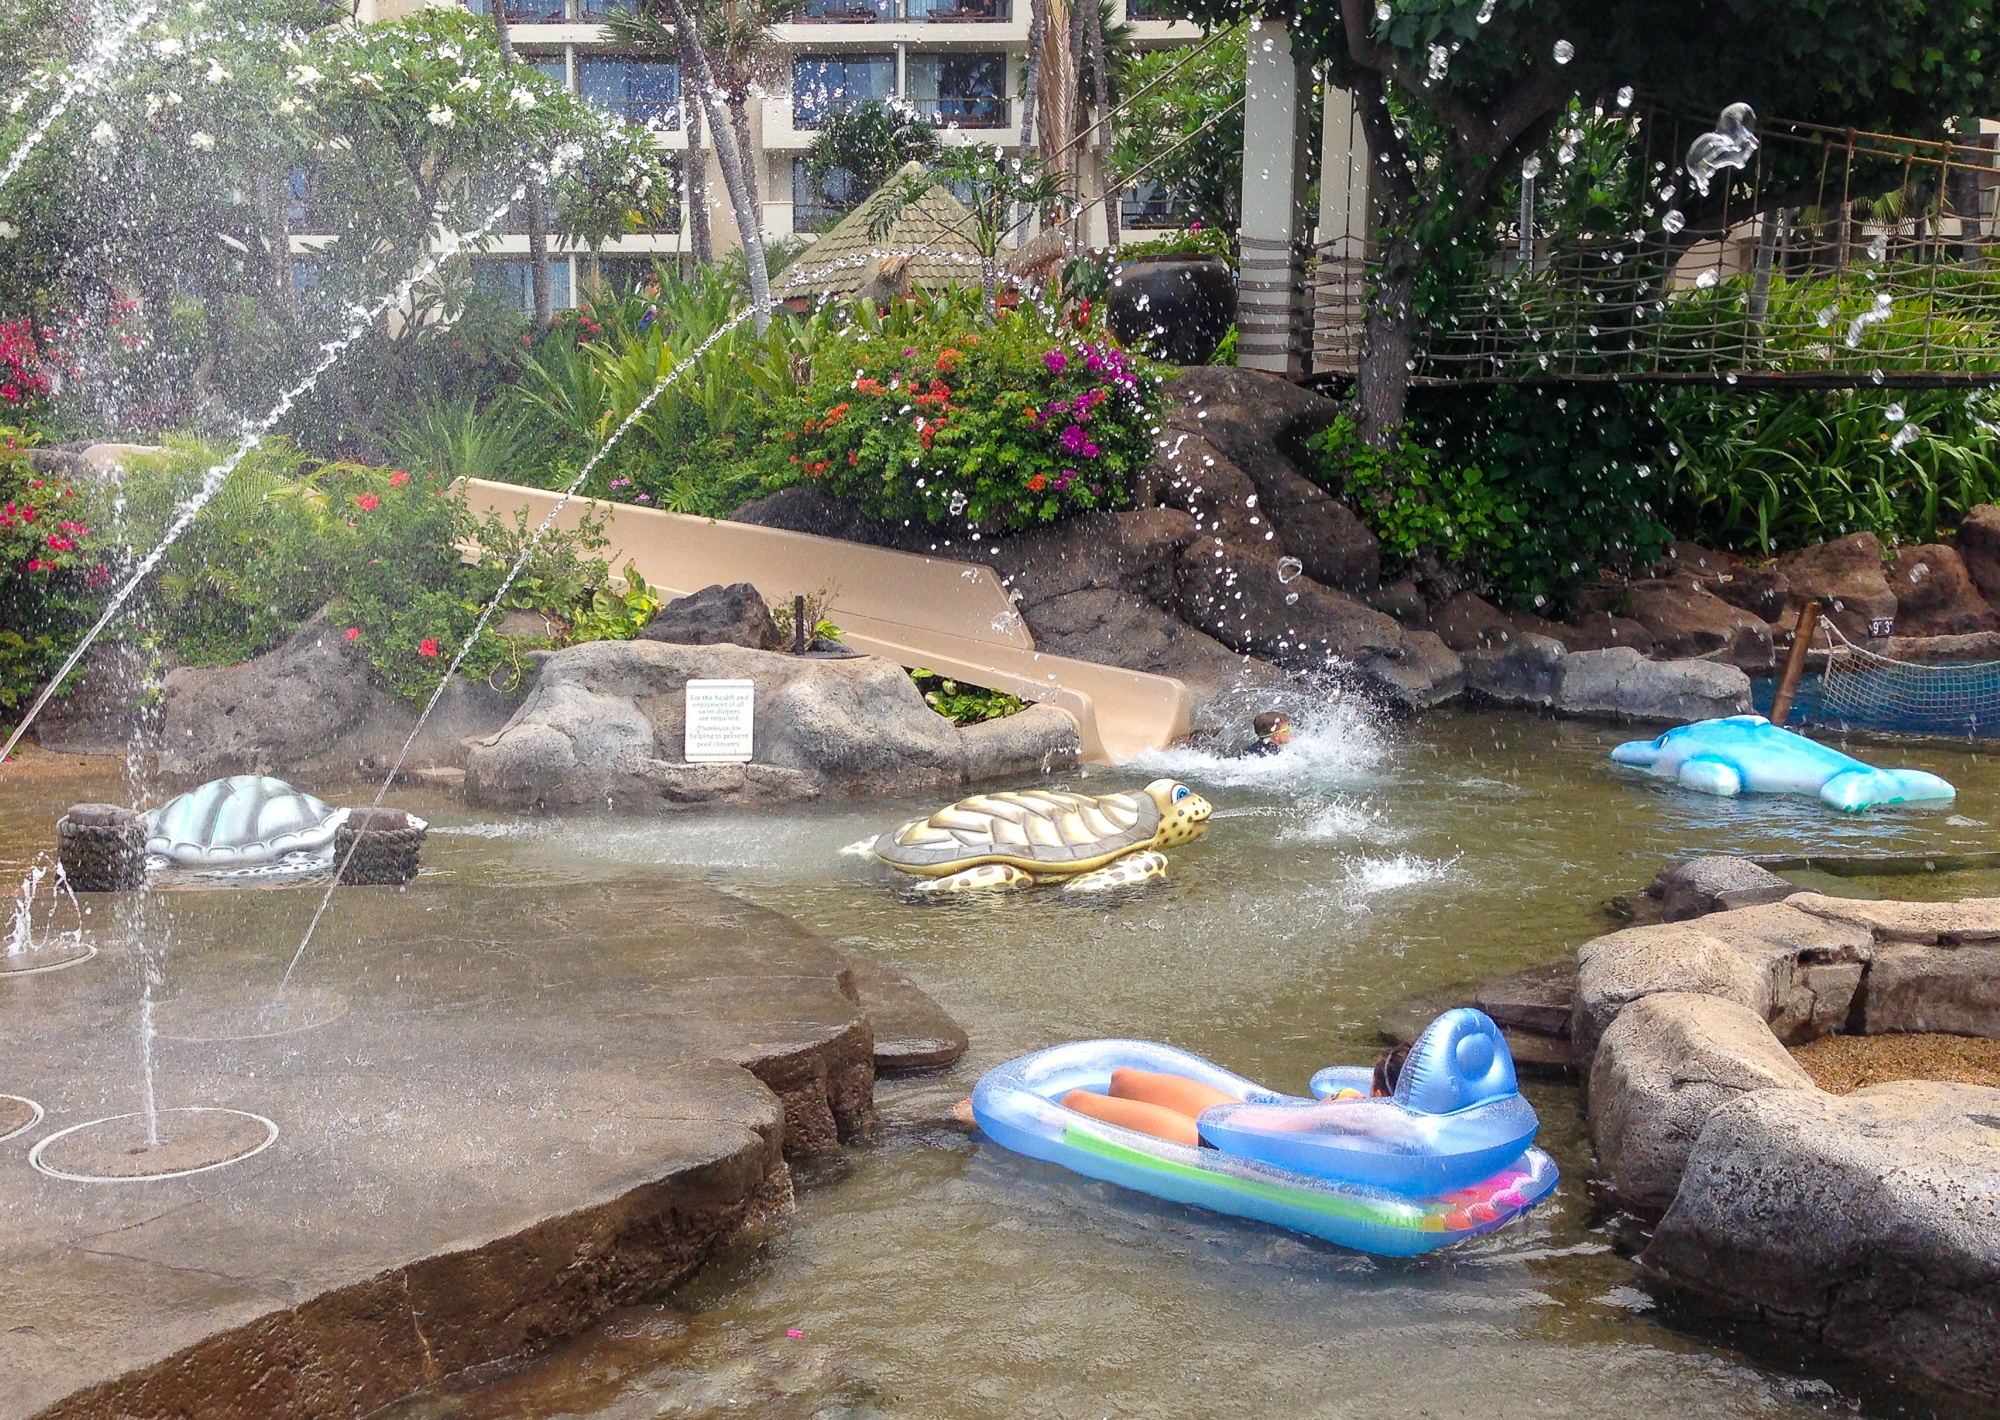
1340	298
1270	304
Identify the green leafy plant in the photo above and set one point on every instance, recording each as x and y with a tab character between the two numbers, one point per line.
1415	503
940	413
868	142
785	617
51	570
965	704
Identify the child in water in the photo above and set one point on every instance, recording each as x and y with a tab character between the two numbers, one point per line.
1274	731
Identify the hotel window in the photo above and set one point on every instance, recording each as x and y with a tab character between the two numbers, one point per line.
969	90
823	84
511	281
642	90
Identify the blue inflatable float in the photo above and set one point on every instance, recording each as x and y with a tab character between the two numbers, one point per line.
1749	754
1446	1157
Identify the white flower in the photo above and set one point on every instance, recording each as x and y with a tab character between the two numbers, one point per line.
203	141
442	116
173	99
169	45
8	231
466	84
288	106
104	135
305	76
369	82
200	7
216	73
152	105
522	97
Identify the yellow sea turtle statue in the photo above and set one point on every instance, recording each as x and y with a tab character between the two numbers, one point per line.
1020	838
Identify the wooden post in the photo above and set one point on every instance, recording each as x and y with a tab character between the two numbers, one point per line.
800	640
1795	664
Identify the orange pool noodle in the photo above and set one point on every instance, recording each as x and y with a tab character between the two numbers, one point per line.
1175	1092
1154	1119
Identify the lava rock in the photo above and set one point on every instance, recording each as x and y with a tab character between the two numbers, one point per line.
1602	631
1700	886
1402	600
1846	576
1979	546
1470	623
1687	619
1761	591
734	615
1623	684
1690	561
1935	595
1870	1222
1668	1062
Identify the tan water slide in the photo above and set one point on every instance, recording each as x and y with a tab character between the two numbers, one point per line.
950	617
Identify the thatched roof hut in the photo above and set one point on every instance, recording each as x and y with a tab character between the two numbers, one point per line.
928	244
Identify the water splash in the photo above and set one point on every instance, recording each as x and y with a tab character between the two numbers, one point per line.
1337	742
1904	437
1883	308
362	320
1672	222
1364	877
1564	51
103	54
22	937
1731	145
527	552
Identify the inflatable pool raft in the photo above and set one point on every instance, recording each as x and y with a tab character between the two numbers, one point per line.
1448	1156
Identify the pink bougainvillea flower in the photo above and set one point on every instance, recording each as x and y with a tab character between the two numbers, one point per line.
398	478
1073	439
353	633
35	564
367	502
1056	361
58	543
428	646
794	1332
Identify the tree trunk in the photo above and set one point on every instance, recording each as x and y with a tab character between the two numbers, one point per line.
1388	347
538	221
739	118
733	176
1031	83
694	174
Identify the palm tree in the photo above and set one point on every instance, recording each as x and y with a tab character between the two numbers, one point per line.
538	217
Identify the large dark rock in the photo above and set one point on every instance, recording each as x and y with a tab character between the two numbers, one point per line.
1870	1222
1761	591
1526	670
1935	595
716	616
605	725
1668	1062
1250	602
1979	547
310	710
1469	623
1685	618
1602	631
1846	576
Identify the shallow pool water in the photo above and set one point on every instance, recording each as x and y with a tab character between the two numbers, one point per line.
931	1274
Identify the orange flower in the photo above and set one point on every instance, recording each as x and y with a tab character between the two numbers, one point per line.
947	360
398	479
367	502
1038	483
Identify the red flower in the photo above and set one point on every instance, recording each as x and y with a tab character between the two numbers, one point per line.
428	646
398	479
947	360
1038	483
35	564
353	633
367	502
60	544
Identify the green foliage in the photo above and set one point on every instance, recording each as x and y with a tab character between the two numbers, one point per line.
1415	503
1768	472
1184	128
456	438
50	571
964	704
870	141
785	617
939	413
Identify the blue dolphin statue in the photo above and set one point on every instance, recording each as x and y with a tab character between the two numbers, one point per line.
1749	753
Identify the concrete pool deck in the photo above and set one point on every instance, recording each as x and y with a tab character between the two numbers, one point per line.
534	1106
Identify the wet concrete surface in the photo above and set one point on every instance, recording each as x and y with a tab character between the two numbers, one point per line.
531	1106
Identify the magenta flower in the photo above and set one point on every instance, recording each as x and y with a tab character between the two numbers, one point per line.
1073	440
1094	363
1056	361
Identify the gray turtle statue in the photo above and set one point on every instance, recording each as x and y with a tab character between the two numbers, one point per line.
244	821
1089	843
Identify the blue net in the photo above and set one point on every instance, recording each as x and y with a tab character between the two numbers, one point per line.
1865	690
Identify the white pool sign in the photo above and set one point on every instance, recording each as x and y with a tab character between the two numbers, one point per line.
720	721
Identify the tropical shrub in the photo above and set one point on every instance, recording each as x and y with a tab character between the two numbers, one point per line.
936	413
24	377
1415	503
50	572
964	704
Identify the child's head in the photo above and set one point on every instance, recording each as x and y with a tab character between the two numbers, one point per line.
1273	725
1389	1069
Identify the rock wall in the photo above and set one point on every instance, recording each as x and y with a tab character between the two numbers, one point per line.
604	725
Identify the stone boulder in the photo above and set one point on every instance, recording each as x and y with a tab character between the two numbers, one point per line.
1978	544
1761	591
1935	595
1667	1063
1602	631
1952	991
1402	600
605	722
1469	623
1797	971
310	711
1846	575
716	616
1527	670
1870	1222
1623	684
1685	618
1248	602
1699	886
1691	562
